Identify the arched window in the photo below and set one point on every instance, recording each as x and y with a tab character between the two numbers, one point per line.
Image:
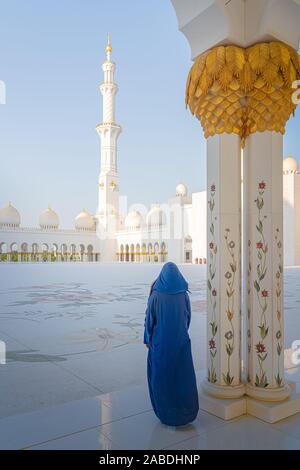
3	252
45	252
81	252
34	252
156	251
90	253
163	250
64	252
73	252
24	252
132	253
54	251
150	252
138	253
188	249
122	253
144	252
127	253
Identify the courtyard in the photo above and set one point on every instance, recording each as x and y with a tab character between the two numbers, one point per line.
75	372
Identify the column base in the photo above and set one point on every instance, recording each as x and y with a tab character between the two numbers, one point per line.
232	407
223	391
271	412
223	408
269	394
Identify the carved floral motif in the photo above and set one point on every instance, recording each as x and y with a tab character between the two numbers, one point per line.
249	271
261	378
212	291
230	277
278	293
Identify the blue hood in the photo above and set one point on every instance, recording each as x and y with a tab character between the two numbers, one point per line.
170	280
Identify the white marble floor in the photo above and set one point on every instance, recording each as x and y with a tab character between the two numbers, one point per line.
75	373
124	420
73	331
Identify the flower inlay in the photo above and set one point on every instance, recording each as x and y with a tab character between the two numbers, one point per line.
261	378
278	292
212	291
230	277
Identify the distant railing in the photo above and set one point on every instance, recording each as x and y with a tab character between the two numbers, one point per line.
41	230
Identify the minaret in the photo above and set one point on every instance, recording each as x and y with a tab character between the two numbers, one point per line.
108	205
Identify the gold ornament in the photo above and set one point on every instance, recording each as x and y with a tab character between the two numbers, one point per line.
243	91
108	47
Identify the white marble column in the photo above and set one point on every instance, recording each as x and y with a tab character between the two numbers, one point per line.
224	267
264	258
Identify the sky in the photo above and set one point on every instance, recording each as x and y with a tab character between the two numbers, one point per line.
51	54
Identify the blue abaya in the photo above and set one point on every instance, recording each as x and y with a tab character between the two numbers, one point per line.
171	375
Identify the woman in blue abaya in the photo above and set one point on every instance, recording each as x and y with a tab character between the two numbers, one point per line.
171	375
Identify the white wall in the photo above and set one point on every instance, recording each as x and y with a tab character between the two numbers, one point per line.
297	220
288	219
57	237
291	218
198	229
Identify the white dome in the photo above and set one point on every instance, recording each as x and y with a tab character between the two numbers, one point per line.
181	190
84	221
290	165
156	217
133	220
9	216
49	219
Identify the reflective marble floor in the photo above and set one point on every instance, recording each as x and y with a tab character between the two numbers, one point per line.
75	373
124	420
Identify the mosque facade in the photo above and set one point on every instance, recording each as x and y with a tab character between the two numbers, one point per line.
175	230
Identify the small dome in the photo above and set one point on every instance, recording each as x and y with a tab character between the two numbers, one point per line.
84	221
290	165
133	220
181	190
49	219
156	217
9	216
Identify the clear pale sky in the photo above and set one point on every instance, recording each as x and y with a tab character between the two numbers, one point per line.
51	53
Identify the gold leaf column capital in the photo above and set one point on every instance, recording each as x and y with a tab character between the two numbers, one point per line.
242	91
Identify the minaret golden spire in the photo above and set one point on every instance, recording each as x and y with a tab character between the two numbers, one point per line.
108	47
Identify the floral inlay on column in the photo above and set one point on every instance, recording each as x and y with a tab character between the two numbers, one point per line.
212	291
249	271
261	379
278	283
230	277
